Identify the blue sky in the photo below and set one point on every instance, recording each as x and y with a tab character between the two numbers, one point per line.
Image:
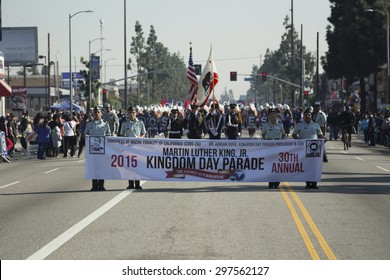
240	31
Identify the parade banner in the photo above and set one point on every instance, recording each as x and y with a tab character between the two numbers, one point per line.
122	158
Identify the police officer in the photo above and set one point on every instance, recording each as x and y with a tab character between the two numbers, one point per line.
133	127
195	123
175	125
273	130
233	122
307	129
97	127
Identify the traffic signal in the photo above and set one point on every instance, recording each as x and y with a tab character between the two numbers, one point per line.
233	76
104	91
150	74
264	76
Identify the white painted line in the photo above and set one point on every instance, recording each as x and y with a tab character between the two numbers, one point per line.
359	158
82	160
5	186
67	235
383	168
51	170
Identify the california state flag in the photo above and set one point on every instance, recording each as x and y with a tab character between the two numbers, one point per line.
207	81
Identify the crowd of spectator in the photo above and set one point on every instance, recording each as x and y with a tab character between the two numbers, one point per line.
59	133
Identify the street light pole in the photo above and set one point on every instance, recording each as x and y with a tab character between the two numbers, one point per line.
44	56
70	55
303	79
89	73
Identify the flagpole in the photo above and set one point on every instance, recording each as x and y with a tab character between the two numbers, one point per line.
212	70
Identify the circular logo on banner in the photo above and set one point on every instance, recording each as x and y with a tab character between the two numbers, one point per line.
313	148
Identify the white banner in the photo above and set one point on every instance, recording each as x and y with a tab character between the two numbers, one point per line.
122	158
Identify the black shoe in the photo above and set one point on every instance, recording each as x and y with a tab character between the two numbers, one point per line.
94	189
311	185
270	185
102	189
276	185
130	187
138	187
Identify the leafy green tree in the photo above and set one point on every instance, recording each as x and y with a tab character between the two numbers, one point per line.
356	40
159	72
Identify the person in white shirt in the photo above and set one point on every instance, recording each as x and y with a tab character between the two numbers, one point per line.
70	135
133	127
273	130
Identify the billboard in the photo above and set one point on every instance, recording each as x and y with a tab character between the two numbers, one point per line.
19	45
19	96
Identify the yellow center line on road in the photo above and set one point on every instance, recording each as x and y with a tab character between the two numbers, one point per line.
321	240
309	245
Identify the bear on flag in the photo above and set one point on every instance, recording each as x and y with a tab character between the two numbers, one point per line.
207	81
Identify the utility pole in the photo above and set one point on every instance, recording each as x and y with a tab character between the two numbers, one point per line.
292	27
48	70
125	52
318	70
303	71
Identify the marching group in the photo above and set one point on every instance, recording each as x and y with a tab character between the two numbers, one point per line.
64	132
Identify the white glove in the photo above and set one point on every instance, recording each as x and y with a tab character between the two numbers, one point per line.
239	134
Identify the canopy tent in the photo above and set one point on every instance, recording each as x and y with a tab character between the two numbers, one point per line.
65	106
5	89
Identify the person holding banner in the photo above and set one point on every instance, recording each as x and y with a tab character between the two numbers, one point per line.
133	127
97	127
273	130
307	129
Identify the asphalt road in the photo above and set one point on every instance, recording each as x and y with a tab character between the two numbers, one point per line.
48	212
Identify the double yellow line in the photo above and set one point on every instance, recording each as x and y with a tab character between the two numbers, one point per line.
286	188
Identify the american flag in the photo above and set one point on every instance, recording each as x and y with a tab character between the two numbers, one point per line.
191	75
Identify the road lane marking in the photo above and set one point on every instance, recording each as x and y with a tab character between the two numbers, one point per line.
321	240
55	169
6	186
383	168
71	232
309	245
359	158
